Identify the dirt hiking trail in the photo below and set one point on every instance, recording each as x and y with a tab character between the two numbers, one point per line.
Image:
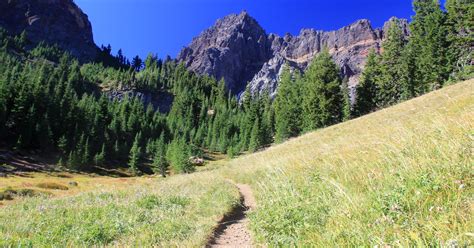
233	230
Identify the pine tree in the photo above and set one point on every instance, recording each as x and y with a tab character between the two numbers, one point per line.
460	26
99	158
346	100
287	107
230	152
322	99
428	43
392	75
408	67
255	139
137	63
21	40
268	119
73	161
86	154
62	145
159	160
178	154
135	153
366	90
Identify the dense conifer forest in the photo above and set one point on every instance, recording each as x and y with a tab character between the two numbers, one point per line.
50	102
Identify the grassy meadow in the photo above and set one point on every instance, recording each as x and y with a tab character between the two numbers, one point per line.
178	211
402	177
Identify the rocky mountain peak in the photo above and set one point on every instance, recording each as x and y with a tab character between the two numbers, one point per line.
59	22
403	24
234	49
238	50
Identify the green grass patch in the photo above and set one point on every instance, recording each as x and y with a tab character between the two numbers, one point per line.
180	210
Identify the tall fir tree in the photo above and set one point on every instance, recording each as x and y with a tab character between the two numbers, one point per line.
178	154
159	158
460	25
135	154
392	76
255	136
346	100
366	90
428	45
322	101
268	118
287	106
99	158
137	63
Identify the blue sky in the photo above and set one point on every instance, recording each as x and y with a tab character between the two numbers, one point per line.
163	27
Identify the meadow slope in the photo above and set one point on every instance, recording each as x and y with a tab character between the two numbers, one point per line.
402	176
178	211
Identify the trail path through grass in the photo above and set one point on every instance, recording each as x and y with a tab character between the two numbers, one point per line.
233	230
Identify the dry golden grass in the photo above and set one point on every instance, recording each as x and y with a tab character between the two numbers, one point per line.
85	183
402	176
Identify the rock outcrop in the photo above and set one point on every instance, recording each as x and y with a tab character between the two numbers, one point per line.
234	49
161	101
59	22
238	50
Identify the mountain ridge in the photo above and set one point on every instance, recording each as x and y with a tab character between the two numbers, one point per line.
56	22
348	45
236	48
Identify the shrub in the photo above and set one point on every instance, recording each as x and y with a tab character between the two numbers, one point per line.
49	185
149	202
9	193
5	196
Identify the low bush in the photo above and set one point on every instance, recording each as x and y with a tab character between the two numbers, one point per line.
9	193
49	185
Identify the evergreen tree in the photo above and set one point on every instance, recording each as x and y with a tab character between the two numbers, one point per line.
268	118
428	43
137	63
99	158
287	107
366	90
392	76
255	137
460	26
73	161
159	160
322	99
86	154
346	100
135	153
62	145
408	67
178	155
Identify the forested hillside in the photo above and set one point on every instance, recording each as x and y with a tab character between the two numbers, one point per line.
52	103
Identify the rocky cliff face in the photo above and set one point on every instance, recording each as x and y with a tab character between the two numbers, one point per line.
238	50
234	49
59	22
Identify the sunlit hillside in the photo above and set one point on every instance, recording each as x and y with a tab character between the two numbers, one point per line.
401	177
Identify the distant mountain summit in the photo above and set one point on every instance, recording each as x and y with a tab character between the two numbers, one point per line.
59	22
238	50
234	49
